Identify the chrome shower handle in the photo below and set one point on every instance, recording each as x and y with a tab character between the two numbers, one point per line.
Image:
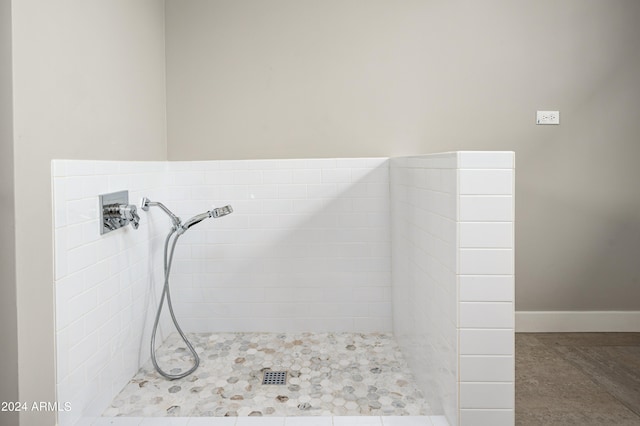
116	212
129	212
118	215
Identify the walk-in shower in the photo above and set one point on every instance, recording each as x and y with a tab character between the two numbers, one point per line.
177	229
369	281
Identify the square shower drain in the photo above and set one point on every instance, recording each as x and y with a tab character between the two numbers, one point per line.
274	378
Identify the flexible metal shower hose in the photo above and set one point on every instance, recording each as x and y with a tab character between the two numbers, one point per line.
168	259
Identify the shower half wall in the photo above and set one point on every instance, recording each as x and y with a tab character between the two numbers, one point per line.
310	247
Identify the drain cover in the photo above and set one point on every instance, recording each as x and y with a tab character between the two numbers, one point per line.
274	378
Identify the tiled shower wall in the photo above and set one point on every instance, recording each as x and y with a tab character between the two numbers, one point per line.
486	288
453	280
306	249
102	283
423	196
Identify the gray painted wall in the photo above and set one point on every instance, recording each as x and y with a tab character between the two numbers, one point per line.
285	78
313	79
89	83
8	314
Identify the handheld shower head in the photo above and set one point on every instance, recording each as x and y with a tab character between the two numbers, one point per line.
177	223
221	211
215	213
195	220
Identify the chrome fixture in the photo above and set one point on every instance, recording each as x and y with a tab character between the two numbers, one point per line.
146	203
178	228
214	213
116	212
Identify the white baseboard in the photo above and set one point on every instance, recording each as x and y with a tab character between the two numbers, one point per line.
577	321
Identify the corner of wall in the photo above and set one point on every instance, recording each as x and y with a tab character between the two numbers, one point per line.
452	254
9	379
485	286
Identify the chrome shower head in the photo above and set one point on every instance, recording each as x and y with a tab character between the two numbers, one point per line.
215	213
195	220
221	211
145	203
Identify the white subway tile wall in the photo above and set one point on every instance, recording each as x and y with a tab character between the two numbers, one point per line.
308	248
101	282
487	417
424	232
486	288
453	280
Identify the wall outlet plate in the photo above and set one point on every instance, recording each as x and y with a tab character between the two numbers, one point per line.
548	117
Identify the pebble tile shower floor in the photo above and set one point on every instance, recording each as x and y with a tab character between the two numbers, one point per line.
329	374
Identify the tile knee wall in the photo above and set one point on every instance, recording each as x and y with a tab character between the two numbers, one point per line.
308	248
452	233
